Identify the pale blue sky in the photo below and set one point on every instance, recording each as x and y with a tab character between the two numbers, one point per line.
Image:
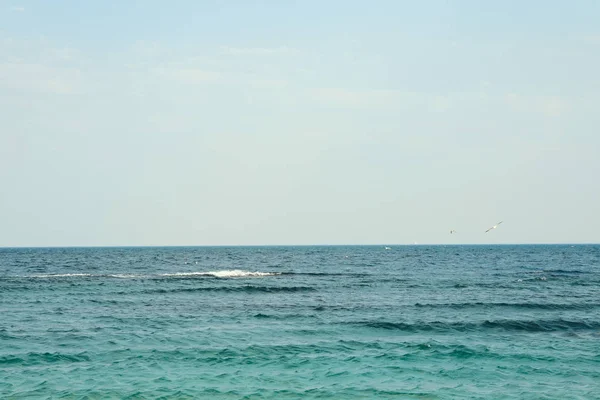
305	122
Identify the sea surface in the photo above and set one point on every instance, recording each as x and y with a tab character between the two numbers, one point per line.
323	322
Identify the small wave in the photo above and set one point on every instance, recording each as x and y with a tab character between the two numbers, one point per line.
58	275
565	271
233	289
541	306
507	325
233	273
42	358
354	274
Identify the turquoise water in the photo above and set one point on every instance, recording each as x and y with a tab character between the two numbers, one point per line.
423	322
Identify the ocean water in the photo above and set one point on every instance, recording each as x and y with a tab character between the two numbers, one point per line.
408	322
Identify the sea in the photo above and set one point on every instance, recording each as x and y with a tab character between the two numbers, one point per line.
301	322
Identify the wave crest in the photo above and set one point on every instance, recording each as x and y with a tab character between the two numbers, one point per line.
507	325
232	273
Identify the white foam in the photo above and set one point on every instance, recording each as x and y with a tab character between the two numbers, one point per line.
233	273
80	275
124	276
58	275
186	274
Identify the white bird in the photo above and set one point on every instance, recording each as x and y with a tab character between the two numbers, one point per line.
452	231
493	227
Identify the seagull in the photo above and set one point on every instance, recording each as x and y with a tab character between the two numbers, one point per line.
493	227
452	231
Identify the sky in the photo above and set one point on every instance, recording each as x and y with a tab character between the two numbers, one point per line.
144	123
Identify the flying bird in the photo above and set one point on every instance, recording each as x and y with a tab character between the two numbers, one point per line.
452	231
493	227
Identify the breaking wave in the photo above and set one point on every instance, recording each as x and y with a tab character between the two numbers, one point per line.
233	273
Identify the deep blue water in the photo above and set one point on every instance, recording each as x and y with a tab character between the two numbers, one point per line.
347	322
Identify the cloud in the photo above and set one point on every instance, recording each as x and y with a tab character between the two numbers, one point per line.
591	38
38	50
378	99
268	83
40	78
347	98
61	54
188	75
257	51
193	75
389	100
37	65
552	106
18	9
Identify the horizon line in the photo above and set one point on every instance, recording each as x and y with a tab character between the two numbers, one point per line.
301	245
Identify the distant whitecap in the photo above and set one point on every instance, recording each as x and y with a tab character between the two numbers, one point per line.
234	273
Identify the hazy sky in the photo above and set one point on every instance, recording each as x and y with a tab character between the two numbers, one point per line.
298	122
